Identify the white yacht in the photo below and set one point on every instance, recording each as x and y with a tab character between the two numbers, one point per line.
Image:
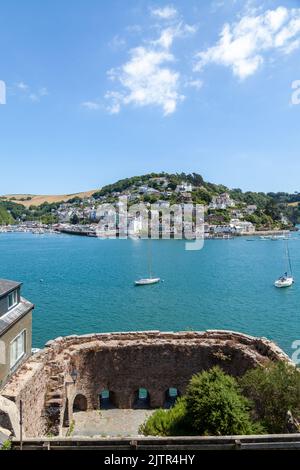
287	279
284	281
147	281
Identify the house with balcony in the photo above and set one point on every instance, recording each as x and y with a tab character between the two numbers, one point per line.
15	328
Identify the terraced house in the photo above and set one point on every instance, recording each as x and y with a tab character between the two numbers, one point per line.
15	328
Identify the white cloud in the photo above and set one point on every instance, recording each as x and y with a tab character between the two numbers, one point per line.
34	96
43	91
91	105
22	86
149	77
194	83
166	13
146	80
168	35
243	45
117	42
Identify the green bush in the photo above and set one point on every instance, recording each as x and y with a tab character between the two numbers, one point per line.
274	390
6	445
215	405
167	422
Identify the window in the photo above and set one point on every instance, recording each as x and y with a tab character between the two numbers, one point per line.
12	299
17	348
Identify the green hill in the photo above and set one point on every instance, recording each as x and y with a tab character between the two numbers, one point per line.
5	217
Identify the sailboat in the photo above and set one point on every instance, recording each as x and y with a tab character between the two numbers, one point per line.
148	280
287	279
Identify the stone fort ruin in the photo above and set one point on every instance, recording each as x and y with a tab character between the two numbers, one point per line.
76	372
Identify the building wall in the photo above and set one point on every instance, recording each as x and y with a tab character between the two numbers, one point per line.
4	303
24	324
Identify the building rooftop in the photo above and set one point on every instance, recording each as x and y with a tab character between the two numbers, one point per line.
15	314
7	286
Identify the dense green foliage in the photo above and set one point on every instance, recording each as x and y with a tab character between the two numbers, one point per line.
5	217
170	422
274	390
213	405
16	210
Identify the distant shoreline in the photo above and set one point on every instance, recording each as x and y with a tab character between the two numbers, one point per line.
89	231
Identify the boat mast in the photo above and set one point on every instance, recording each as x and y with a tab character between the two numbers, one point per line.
149	258
289	264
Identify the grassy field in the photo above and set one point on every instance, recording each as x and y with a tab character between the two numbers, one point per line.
37	200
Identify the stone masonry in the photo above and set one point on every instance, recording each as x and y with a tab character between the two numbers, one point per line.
77	368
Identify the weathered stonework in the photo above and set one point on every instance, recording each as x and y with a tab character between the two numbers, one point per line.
122	363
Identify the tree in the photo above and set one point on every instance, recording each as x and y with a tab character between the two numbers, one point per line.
272	210
215	405
274	390
74	220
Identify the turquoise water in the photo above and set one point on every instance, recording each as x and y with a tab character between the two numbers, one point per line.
88	285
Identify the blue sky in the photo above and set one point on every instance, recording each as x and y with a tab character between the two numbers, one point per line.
101	90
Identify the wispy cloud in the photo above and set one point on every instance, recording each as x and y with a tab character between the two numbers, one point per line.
22	86
166	13
194	83
117	42
32	95
244	45
91	105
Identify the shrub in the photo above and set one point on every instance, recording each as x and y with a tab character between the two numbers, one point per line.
167	422
274	390
215	405
6	445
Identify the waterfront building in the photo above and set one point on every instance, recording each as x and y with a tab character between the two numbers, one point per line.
242	226
15	328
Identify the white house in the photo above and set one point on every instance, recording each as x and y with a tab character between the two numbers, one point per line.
223	201
184	187
242	226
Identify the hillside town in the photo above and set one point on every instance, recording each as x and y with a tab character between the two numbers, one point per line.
224	216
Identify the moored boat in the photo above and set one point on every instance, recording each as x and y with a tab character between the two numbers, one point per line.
147	281
284	281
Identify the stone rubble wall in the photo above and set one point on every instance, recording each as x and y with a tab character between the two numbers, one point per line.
122	363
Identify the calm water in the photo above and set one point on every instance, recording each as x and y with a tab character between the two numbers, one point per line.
88	285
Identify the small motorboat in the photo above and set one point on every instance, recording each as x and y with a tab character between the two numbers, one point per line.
284	281
147	281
